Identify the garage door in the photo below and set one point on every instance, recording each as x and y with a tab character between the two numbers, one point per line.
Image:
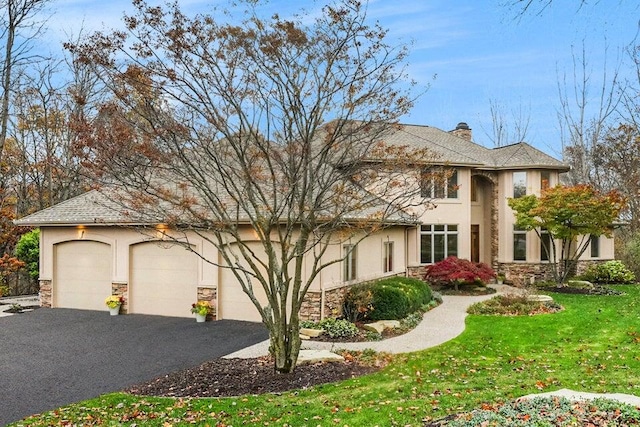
82	275
233	303
163	279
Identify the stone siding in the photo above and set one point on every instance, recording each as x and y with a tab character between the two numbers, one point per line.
310	308
521	274
46	295
210	294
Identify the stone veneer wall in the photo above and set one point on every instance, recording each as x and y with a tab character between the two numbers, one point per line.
311	308
46	297
210	294
520	274
122	290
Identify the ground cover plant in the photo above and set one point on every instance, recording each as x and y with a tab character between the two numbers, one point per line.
513	305
593	345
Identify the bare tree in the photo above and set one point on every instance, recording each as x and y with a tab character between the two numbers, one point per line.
508	129
584	117
18	29
269	131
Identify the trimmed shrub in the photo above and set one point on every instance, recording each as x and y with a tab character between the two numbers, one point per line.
609	272
389	303
387	299
456	271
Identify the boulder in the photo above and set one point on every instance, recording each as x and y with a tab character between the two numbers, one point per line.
374	327
311	332
539	298
313	356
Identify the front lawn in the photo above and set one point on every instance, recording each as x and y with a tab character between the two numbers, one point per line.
593	345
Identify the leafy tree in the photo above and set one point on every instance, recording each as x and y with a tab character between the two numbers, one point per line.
456	271
276	125
28	251
570	215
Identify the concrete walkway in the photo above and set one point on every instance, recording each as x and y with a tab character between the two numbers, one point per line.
24	301
438	326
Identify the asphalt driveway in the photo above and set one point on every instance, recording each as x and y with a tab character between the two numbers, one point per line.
53	357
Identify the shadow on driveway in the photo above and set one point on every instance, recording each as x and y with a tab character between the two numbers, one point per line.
53	357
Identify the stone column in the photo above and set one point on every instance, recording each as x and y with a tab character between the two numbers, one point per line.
210	294
46	293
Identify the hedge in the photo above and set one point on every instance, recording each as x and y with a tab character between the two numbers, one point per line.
388	299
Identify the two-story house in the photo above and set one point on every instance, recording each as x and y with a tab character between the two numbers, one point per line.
89	250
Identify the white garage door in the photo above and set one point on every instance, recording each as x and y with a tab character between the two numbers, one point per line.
82	275
163	279
233	302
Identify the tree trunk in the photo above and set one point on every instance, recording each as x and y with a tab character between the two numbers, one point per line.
285	345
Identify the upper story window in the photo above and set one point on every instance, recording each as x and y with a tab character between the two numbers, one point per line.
438	189
545	180
519	184
474	188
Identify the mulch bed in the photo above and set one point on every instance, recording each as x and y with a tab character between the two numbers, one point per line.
235	377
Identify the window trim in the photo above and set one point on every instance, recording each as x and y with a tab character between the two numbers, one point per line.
447	234
513	186
448	190
595	239
349	262
522	234
387	256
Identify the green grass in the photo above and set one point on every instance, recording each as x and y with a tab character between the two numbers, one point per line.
593	345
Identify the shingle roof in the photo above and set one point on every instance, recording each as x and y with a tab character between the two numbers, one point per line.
95	208
88	208
454	150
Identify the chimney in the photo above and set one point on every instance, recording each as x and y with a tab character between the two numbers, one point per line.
462	131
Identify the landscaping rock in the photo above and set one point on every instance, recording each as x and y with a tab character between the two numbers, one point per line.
374	327
539	298
390	324
311	332
305	337
313	356
581	284
381	325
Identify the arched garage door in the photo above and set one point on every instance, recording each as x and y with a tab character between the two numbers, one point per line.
163	279
82	274
233	303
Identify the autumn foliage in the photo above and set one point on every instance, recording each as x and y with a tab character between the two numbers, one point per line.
456	271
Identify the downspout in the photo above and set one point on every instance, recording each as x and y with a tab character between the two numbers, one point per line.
322	296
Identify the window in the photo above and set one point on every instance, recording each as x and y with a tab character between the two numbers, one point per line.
519	244
474	189
438	242
388	257
431	187
349	262
545	245
519	184
545	180
595	246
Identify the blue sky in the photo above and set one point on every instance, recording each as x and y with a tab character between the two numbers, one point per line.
478	51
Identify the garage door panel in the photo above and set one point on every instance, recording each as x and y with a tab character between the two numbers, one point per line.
82	275
163	279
